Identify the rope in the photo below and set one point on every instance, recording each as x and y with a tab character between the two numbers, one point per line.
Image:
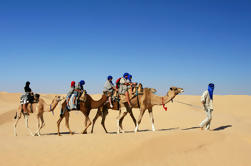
52	111
190	105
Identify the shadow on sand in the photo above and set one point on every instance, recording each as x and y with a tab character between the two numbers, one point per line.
62	133
216	129
191	128
146	130
140	131
222	127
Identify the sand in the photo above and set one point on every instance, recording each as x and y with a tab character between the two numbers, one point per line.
177	141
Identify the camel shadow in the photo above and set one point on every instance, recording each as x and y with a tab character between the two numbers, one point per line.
130	131
62	133
176	128
191	128
146	130
222	127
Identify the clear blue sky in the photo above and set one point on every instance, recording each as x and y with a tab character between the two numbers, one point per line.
162	43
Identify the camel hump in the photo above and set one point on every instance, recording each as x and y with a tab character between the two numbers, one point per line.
152	90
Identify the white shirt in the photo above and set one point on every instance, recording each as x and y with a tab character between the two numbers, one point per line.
206	99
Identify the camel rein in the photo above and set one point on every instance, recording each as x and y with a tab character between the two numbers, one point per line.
52	111
190	105
163	104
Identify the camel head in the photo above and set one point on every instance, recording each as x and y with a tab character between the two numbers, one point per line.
174	91
140	87
57	99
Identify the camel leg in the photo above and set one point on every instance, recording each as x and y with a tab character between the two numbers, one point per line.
121	120
18	117
88	123
42	125
142	111
27	124
133	118
59	121
152	119
105	113
38	124
118	117
67	117
95	118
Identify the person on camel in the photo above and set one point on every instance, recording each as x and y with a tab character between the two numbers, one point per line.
26	97
109	88
68	97
77	94
123	87
70	92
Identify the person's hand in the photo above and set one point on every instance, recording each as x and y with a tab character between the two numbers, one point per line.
203	102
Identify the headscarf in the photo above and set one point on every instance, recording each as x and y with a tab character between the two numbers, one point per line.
109	77
130	77
27	84
211	90
73	83
82	82
126	74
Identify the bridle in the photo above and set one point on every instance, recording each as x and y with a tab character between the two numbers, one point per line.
163	104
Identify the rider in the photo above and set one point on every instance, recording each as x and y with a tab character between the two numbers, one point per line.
109	88
78	92
27	96
123	88
70	92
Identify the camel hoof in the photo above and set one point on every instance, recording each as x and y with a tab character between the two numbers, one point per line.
84	132
136	130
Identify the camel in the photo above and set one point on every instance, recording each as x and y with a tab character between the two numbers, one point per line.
134	92
144	101
39	108
86	104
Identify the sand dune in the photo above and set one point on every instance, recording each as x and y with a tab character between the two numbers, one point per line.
177	141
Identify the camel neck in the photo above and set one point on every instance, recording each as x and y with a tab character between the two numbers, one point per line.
99	103
52	106
49	107
159	100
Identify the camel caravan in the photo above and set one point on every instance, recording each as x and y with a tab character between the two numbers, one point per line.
122	97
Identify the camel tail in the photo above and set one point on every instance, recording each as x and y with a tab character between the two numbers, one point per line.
15	117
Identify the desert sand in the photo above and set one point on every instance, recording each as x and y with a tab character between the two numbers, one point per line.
177	142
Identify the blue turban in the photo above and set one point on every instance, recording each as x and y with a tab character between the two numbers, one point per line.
211	90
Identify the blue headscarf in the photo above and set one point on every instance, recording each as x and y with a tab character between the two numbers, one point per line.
125	74
130	77
109	77
82	82
211	90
